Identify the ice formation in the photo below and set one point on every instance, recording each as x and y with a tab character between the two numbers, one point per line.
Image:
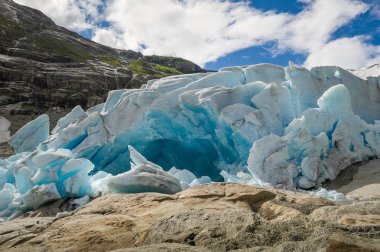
259	125
367	72
31	135
144	176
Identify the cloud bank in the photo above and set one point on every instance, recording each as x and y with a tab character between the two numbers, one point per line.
76	15
203	31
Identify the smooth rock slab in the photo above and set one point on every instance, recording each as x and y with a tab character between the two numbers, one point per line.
364	183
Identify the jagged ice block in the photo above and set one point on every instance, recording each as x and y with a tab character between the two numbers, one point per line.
258	125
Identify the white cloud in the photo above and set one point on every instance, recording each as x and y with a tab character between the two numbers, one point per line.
201	31
313	27
77	15
205	30
350	53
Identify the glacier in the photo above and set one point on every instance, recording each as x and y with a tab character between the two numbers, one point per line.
30	135
261	125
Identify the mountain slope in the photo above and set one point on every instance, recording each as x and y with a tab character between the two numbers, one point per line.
45	66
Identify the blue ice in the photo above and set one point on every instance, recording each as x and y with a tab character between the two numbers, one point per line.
260	125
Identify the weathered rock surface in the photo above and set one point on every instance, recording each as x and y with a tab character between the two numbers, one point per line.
46	67
361	180
210	217
164	247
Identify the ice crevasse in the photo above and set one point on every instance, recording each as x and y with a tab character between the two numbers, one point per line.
259	125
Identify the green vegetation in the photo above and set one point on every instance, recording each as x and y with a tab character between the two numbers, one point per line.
164	58
182	65
38	42
5	21
35	42
110	60
11	31
48	43
165	69
142	67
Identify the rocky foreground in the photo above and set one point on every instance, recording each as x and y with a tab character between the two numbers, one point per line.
210	217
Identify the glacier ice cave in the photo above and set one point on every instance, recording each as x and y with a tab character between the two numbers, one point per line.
259	125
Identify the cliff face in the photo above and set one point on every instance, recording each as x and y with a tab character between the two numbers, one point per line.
47	68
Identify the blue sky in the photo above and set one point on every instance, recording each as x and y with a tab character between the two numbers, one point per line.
364	24
218	33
